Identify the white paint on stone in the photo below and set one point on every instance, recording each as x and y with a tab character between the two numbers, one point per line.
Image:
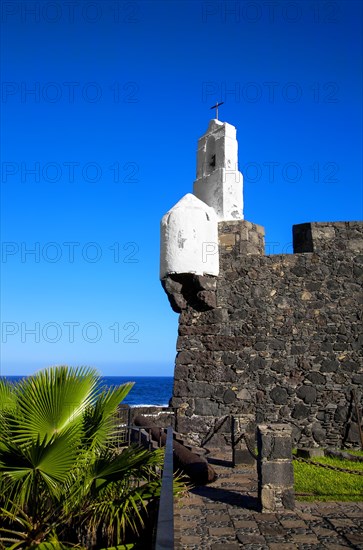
219	183
189	239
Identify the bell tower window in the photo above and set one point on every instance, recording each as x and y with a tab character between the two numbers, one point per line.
210	155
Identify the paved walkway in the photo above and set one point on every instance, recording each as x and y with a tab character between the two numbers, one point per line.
223	516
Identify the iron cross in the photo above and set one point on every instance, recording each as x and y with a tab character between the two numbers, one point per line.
216	107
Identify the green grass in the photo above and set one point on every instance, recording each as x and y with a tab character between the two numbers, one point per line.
319	484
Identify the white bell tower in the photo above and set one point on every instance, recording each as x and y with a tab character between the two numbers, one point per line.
219	183
189	231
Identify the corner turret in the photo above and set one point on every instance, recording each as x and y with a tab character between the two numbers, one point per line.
189	239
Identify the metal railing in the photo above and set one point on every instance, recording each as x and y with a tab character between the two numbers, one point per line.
165	525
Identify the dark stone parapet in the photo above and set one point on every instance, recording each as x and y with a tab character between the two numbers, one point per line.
328	237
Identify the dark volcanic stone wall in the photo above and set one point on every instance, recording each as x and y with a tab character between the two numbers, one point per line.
280	341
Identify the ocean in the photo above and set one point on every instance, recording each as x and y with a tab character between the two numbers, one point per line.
148	390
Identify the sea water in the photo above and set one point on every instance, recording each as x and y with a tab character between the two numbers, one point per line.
147	390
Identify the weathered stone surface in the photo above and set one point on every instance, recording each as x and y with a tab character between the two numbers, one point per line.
353	433
300	411
185	289
288	499
276	447
284	342
316	378
341	414
279	395
307	393
310	453
318	433
208	298
206	407
229	396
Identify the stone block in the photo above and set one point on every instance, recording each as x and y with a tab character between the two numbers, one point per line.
318	432
276	448
310	452
300	411
307	393
277	474
206	283
278	430
180	372
200	389
206	407
288	499
186	357
194	424
316	378
207	298
274	499
227	240
242	456
229	358
229	396
244	395
324	237
279	395
215	316
247	247
320	232
353	433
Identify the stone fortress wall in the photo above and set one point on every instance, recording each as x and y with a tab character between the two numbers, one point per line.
273	338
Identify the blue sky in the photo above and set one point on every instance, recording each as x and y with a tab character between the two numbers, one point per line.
102	106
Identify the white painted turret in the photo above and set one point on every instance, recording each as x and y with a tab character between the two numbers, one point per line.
189	239
219	183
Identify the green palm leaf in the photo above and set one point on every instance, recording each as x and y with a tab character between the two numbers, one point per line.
52	400
7	406
99	420
132	461
7	396
44	465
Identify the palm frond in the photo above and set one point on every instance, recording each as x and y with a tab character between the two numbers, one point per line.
7	395
133	461
99	420
53	399
7	406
